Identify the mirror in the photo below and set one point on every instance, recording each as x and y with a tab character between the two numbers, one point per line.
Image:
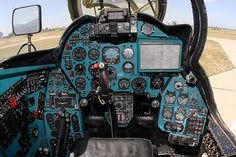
27	20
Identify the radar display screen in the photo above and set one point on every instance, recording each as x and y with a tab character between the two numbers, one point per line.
159	56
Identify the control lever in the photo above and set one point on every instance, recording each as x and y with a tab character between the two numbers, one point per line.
104	96
63	133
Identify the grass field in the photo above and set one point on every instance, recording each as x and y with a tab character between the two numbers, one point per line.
222	33
214	59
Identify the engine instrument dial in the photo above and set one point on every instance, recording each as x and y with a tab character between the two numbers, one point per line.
179	115
93	54
170	98
167	113
128	67
156	83
128	53
80	69
139	85
80	83
123	84
111	73
93	72
183	99
79	54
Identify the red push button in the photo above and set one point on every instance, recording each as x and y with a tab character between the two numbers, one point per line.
71	73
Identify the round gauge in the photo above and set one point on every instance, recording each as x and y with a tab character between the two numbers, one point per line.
84	31
93	54
111	73
79	54
183	99
80	83
128	67
167	113
95	83
139	85
179	86
80	69
111	55
123	84
68	65
147	29
170	98
93	72
128	53
179	115
156	83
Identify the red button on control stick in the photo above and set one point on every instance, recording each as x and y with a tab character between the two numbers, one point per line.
96	66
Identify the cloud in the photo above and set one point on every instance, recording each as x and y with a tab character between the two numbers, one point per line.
210	1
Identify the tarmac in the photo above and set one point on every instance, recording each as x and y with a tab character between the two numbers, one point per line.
224	86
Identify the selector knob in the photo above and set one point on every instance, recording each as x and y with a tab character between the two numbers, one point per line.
83	102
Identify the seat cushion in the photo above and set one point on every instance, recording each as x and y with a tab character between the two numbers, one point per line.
119	147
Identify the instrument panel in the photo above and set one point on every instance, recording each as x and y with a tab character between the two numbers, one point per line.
148	65
129	63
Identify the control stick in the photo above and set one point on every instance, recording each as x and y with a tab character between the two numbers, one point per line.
104	96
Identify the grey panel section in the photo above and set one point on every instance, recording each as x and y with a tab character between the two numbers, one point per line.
113	148
226	146
159	56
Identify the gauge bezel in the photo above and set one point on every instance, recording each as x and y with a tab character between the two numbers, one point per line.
79	49
116	60
124	79
140	90
84	82
97	55
124	56
181	98
128	71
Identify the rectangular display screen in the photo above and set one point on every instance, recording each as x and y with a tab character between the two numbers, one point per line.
159	56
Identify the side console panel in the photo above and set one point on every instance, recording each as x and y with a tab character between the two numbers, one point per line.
183	113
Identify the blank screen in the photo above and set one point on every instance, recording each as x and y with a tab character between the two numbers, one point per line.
159	56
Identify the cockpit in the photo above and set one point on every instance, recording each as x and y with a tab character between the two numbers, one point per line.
119	84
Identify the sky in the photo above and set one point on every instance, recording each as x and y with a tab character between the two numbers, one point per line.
221	13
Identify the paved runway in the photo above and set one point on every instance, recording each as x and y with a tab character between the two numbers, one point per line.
224	86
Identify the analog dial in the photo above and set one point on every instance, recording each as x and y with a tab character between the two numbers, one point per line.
139	85
123	84
111	73
80	69
179	115
128	67
167	113
92	71
68	65
183	99
93	54
147	29
170	98
79	54
128	53
80	83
